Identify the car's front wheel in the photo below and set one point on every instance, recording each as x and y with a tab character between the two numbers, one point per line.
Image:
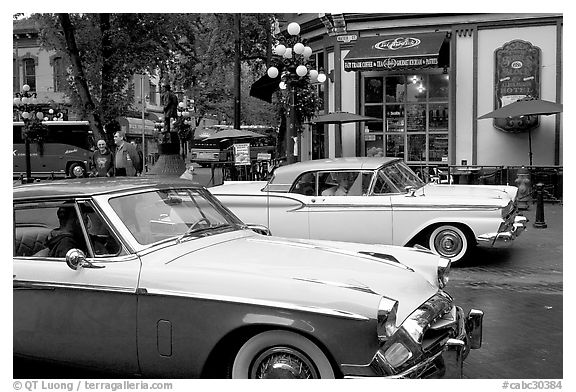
280	354
76	170
449	241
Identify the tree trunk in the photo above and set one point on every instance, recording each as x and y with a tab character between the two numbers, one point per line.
79	78
107	68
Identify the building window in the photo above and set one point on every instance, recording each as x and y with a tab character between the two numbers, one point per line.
152	94
59	74
30	73
15	82
414	113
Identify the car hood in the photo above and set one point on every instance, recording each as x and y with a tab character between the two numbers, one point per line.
303	273
481	195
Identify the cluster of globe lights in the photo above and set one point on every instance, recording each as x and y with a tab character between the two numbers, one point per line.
288	53
26	98
183	112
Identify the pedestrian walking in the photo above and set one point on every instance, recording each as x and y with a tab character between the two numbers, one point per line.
102	161
126	159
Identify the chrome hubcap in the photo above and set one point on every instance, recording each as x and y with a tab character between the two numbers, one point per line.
448	243
282	362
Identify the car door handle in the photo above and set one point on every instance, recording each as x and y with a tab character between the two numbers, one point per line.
319	199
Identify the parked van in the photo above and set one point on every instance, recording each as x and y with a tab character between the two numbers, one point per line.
67	149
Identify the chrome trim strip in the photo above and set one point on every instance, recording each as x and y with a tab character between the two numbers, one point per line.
258	302
21	284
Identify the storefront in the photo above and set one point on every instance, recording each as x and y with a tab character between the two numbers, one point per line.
137	130
428	77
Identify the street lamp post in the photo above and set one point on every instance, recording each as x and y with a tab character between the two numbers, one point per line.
28	110
293	58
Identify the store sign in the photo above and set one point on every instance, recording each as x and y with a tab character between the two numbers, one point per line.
241	154
397	43
517	76
347	38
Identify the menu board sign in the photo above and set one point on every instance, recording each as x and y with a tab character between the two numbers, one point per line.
242	154
517	76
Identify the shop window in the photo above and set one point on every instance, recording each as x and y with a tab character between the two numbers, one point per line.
415	114
395	146
438	148
373	88
416	118
416	147
438	87
396	88
374	145
30	73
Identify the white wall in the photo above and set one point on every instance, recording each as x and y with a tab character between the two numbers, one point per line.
349	97
464	98
496	147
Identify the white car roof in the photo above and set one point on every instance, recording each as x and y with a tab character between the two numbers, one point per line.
287	174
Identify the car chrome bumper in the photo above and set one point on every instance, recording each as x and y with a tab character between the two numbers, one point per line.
503	238
446	363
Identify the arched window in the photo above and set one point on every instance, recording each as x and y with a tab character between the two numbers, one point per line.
30	73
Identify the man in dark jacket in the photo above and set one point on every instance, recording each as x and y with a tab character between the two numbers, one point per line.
67	236
126	159
102	161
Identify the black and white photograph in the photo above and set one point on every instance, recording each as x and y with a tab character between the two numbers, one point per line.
261	195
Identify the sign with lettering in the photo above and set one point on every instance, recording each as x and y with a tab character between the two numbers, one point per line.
517	76
242	154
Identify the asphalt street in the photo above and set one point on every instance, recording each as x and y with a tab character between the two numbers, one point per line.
520	289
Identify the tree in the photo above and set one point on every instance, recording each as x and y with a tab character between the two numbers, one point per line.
193	52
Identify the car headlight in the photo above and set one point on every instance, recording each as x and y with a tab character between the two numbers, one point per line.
387	310
443	271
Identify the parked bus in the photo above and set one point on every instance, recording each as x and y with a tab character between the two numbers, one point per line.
206	152
67	149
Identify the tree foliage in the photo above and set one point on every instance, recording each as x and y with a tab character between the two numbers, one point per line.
193	52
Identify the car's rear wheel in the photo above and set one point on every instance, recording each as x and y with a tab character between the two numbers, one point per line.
449	241
280	354
76	170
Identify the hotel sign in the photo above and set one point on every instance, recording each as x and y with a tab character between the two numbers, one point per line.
517	76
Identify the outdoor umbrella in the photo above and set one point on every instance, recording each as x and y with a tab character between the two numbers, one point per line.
341	118
233	134
526	107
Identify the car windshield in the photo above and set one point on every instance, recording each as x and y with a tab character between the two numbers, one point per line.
154	216
396	178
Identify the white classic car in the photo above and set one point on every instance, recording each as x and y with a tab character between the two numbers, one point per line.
376	201
154	277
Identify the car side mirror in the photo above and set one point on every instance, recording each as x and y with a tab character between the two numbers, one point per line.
410	191
260	229
76	259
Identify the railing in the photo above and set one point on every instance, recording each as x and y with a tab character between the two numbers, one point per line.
550	176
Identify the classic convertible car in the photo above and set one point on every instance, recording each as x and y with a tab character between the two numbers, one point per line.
376	201
154	277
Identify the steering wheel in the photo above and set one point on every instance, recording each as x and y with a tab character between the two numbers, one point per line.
197	223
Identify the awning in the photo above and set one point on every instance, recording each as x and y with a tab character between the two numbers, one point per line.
133	126
398	52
